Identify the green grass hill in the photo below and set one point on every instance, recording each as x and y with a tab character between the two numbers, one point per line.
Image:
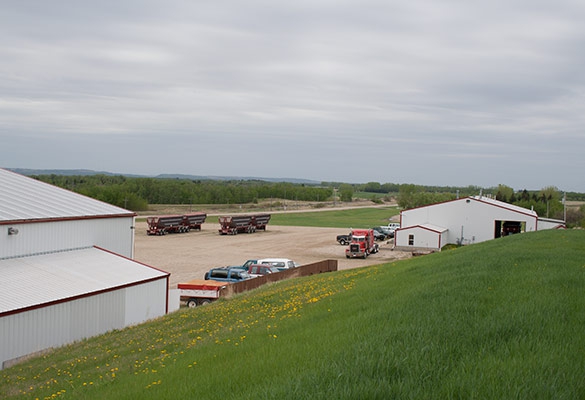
502	319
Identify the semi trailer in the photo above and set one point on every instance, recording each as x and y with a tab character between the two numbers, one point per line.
234	224
194	220
163	224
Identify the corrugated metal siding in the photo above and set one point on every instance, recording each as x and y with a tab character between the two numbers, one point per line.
24	198
33	281
139	302
113	234
56	325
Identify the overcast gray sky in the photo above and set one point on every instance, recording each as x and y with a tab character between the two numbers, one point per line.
427	92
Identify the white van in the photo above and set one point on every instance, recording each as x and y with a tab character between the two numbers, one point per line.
280	263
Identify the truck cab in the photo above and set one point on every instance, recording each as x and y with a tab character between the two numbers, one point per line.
362	244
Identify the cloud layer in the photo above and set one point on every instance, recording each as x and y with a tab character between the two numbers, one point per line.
446	93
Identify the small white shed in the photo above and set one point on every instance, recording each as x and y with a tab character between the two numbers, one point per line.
424	237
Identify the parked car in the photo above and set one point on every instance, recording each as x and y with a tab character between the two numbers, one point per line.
393	226
378	234
280	263
227	274
256	270
344	239
248	263
385	230
382	229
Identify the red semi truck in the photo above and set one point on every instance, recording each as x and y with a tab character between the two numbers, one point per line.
362	244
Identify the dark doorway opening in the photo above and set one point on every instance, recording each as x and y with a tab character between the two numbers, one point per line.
505	228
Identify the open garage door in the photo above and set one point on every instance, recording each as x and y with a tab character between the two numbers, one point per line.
505	228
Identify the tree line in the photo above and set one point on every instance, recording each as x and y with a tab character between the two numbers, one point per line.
136	193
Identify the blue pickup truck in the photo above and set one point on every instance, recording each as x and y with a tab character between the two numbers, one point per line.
227	274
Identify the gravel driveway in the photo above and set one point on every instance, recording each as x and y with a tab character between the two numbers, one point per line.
189	255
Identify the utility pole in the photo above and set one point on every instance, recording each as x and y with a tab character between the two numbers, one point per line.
565	207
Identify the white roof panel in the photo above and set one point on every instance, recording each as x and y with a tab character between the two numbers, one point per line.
36	280
431	227
24	198
505	205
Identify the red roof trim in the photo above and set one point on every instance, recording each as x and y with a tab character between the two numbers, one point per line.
473	199
505	208
134	261
59	219
85	295
422	227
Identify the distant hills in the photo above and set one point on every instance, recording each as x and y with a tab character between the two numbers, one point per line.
83	172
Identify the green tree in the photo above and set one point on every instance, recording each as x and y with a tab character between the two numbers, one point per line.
372	187
504	193
575	217
551	197
346	192
581	221
406	196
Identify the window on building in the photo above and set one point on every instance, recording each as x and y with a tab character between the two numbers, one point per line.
411	240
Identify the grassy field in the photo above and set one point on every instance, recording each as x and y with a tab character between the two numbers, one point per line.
365	217
502	319
356	218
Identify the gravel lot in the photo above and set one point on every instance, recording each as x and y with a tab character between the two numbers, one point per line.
189	255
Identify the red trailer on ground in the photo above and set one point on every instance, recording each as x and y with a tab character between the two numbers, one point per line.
194	220
234	224
163	224
260	221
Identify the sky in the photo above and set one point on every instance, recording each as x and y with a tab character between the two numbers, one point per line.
449	93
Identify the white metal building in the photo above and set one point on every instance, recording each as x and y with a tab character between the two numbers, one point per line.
66	271
425	236
549	223
462	221
46	218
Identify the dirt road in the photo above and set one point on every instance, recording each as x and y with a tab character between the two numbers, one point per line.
189	255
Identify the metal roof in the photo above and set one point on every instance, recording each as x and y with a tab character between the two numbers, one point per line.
435	228
24	198
33	281
501	204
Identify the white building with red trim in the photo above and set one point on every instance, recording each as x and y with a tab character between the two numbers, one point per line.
66	269
463	221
